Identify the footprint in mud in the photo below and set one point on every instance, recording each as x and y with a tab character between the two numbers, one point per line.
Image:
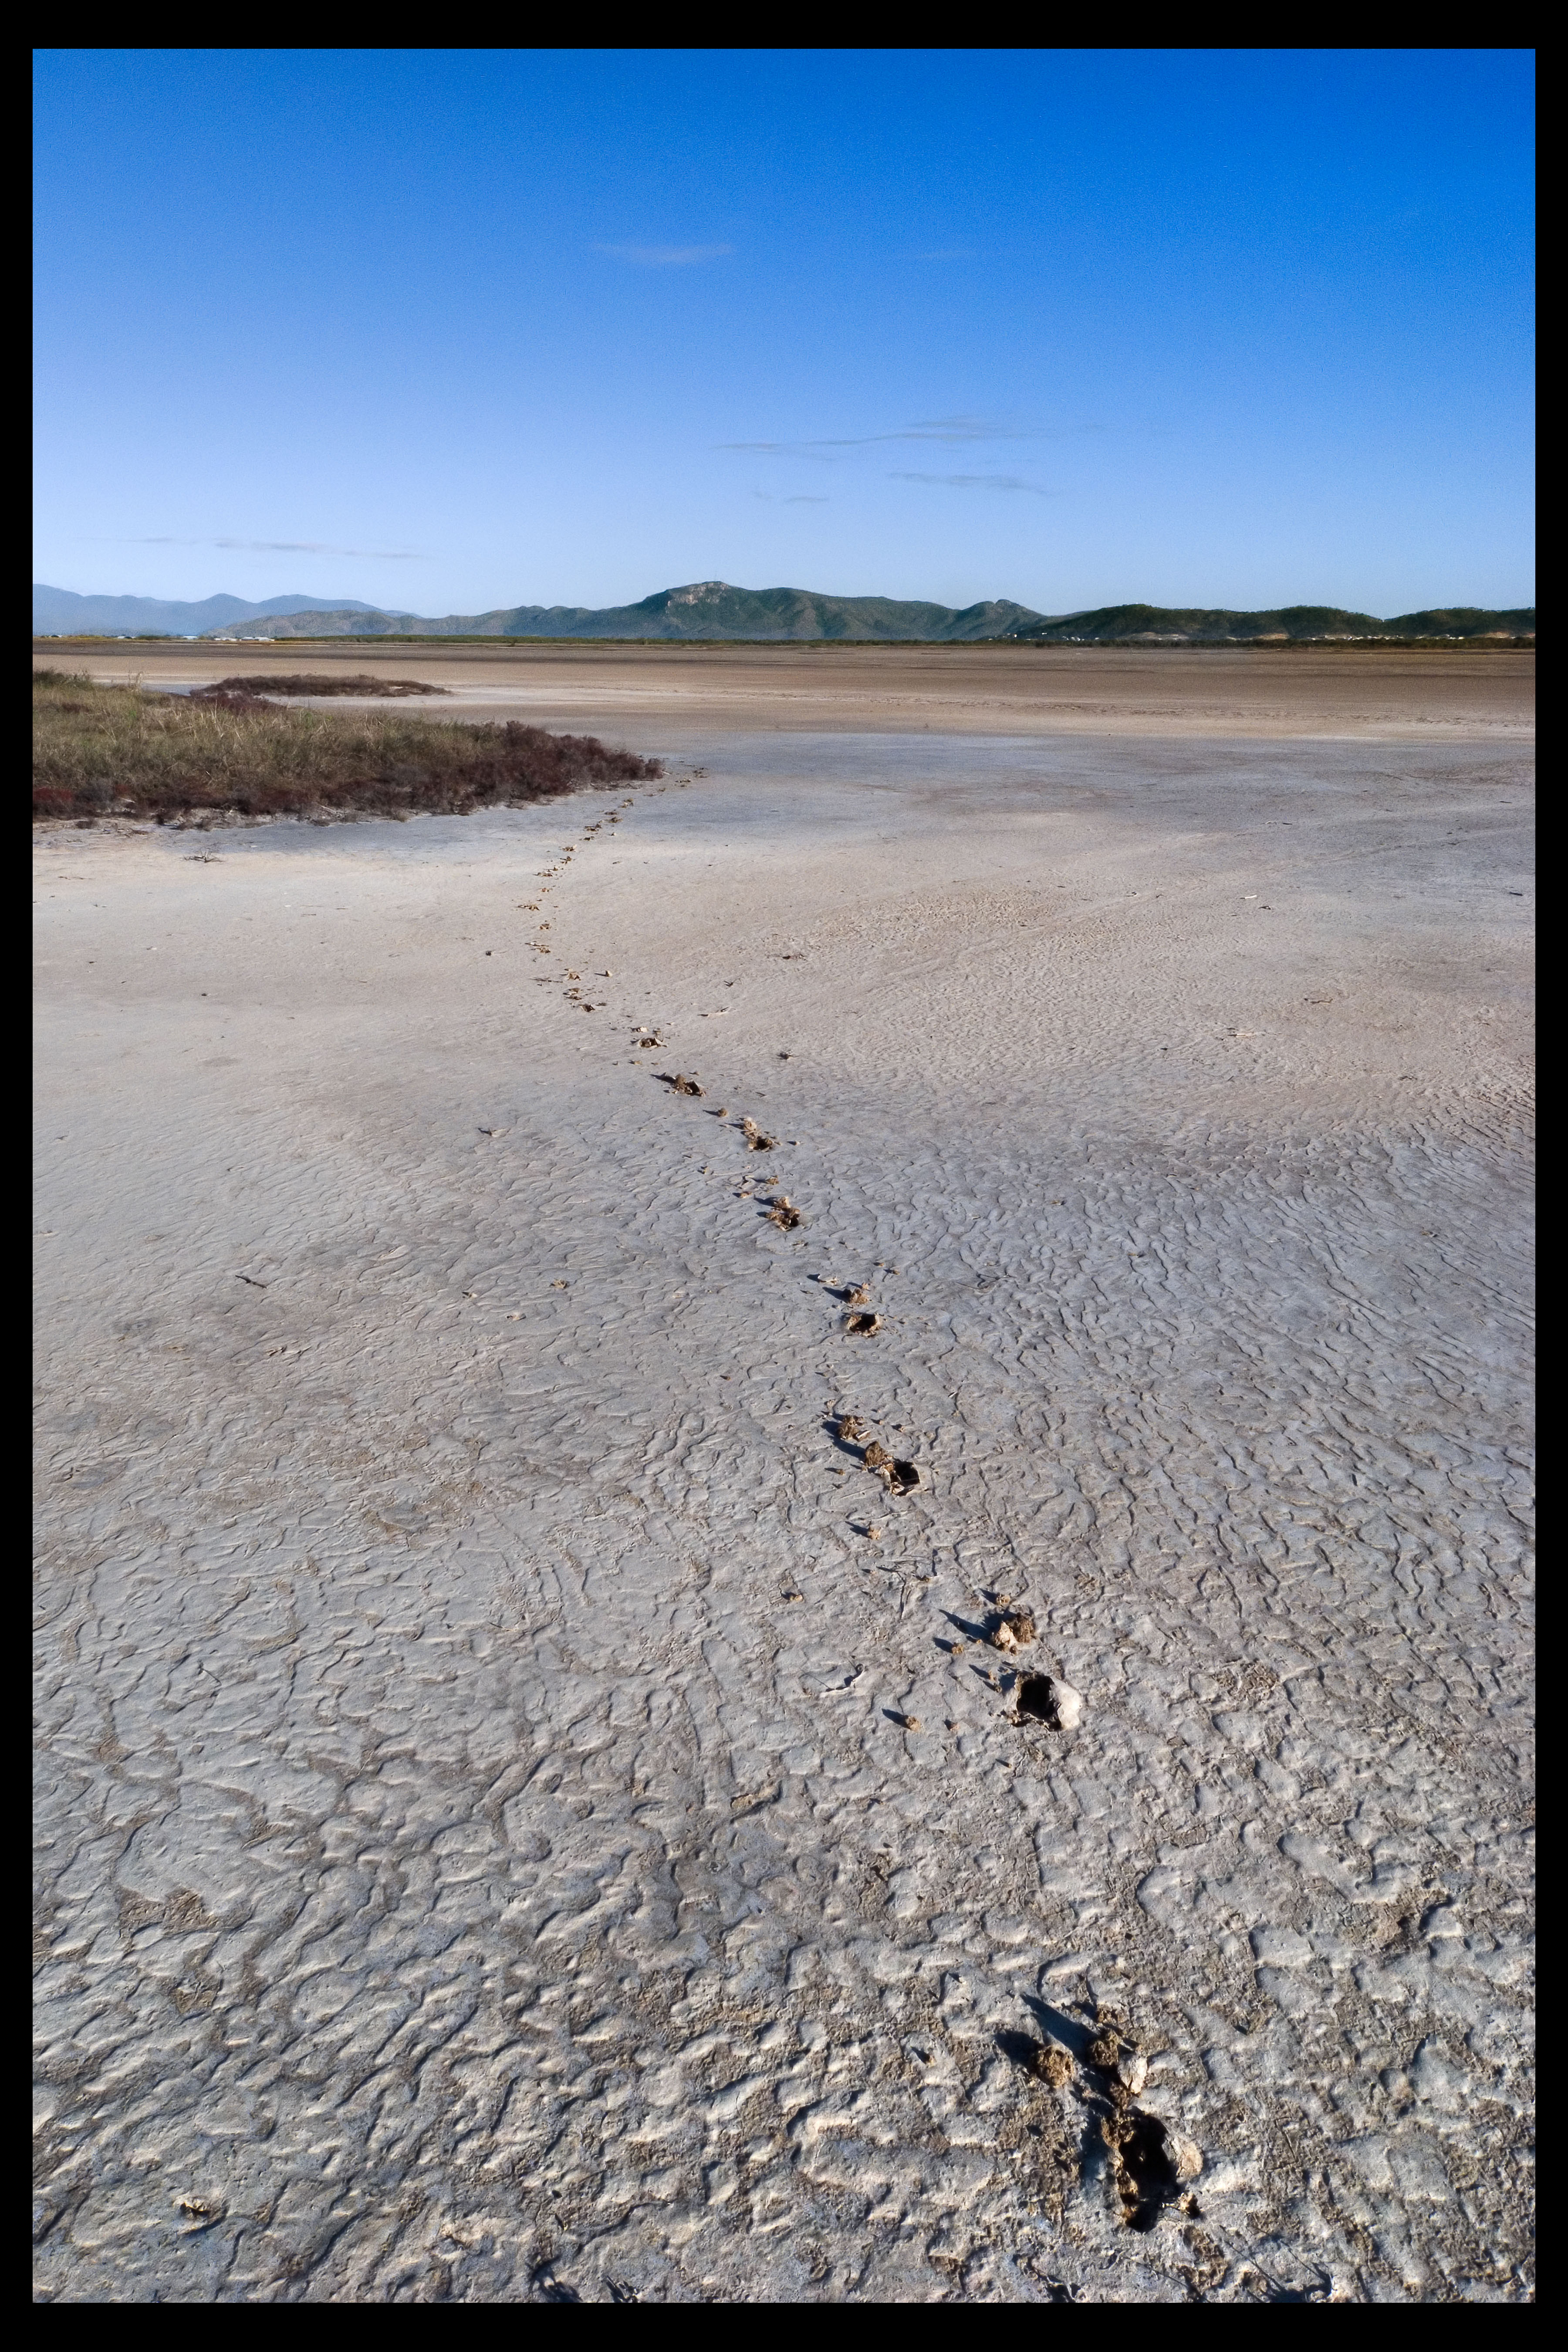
755	1139
898	1477
678	1083
1055	1704
782	1212
862	1326
1151	2162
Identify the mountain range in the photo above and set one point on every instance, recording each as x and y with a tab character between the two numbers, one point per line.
708	610
58	612
711	610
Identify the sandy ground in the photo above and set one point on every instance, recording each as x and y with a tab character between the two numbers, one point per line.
509	1830
667	691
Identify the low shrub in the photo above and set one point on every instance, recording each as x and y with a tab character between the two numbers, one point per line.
102	751
307	682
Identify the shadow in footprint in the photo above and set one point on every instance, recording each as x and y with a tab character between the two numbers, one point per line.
550	2289
1275	2290
1148	2176
1057	2026
1093	2156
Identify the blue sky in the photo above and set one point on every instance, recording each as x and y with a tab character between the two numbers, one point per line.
445	331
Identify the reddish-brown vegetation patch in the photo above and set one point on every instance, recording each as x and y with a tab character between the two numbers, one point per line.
307	682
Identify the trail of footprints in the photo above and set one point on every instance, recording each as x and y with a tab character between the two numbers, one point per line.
1152	2163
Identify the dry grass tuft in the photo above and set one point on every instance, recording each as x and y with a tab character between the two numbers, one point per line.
116	751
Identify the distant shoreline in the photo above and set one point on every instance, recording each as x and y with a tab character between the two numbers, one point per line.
713	612
357	646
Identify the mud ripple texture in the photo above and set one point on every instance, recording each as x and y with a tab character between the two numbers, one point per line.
482	1855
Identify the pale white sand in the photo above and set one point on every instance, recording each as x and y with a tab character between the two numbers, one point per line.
481	1857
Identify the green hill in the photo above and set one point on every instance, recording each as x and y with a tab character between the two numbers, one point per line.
707	610
1293	624
1466	621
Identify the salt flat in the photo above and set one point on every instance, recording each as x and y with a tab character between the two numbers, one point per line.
667	691
509	1829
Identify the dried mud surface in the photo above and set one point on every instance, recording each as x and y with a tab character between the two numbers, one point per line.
664	692
509	1829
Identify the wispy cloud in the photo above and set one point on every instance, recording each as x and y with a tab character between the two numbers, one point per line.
286	547
977	482
951	430
666	256
965	428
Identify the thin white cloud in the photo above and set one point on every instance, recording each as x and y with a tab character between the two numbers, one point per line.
287	547
951	430
977	482
666	256
963	428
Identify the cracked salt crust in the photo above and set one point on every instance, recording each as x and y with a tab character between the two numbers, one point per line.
467	1872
